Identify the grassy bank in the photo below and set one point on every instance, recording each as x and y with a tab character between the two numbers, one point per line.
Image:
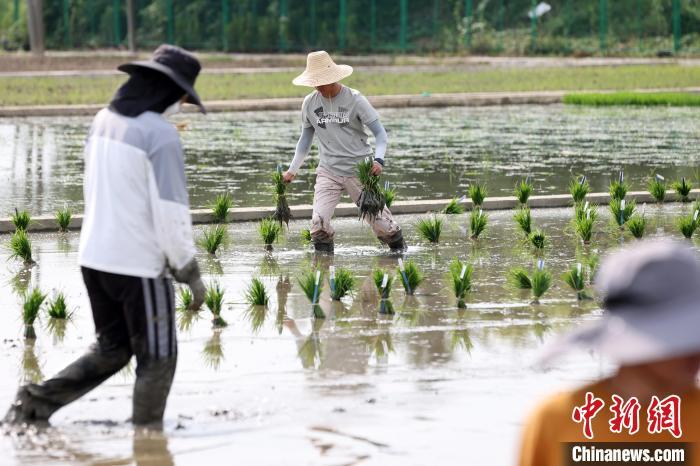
671	99
95	90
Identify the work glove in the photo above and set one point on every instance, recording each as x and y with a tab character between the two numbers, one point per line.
190	275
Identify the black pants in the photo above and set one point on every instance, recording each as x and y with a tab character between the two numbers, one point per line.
133	316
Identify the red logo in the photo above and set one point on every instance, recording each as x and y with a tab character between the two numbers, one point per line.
625	415
587	412
665	415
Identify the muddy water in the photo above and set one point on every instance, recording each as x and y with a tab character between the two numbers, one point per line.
434	153
429	385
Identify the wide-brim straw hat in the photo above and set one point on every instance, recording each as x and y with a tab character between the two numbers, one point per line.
321	70
651	296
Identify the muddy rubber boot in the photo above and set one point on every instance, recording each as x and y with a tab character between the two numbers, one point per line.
29	409
396	243
153	381
323	247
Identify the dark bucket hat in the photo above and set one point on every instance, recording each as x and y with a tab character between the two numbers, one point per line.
176	63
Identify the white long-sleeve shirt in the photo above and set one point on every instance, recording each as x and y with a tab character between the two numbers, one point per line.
137	219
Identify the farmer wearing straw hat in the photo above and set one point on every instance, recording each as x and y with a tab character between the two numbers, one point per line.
337	115
651	329
136	232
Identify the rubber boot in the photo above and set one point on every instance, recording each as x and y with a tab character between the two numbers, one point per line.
396	243
323	247
154	378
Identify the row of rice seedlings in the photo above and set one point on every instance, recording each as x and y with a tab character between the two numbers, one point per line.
523	218
539	281
523	190
214	300
410	275
389	193
657	188
478	221
212	238
682	188
477	193
21	219
282	211
222	205
454	207
312	284
621	211
579	189
575	278
461	275
687	224
430	229
63	219
341	281
256	294
371	202
619	187
269	230
21	247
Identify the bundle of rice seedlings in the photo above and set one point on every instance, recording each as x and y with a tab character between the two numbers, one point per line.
541	281
621	210
538	239
57	307
636	225
30	310
523	218
386	307
619	188
256	294
520	278
411	276
461	280
212	238
477	223
341	281
575	278
584	227
269	230
454	207
585	210
185	299
282	211
21	220
579	189
430	228
683	188
657	188
371	201
383	281
222	205
687	224
593	262
306	236
389	194
312	284
214	300
21	247
477	193
63	218
522	191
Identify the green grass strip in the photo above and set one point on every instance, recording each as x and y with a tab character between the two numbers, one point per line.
671	99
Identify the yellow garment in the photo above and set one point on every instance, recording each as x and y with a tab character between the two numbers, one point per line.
551	425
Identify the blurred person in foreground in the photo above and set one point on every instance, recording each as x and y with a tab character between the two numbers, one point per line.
136	232
337	115
651	329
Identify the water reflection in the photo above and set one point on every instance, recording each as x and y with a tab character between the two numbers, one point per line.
31	366
213	352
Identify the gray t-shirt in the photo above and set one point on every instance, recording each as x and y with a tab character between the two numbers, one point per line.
339	125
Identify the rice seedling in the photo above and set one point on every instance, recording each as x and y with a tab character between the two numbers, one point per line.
593	261
687	224
312	284
63	218
21	247
21	219
389	194
430	229
621	210
520	278
256	294
212	238
214	300
636	225
461	280
57	307
477	193
657	188
222	205
576	279
371	201
477	223
386	307
585	210
341	282
383	281
412	277
523	218
269	230
683	188
541	281
282	211
523	190
579	189
454	207
305	236
538	239
30	310
185	299
619	187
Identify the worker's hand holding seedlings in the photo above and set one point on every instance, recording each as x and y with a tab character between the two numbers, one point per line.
190	275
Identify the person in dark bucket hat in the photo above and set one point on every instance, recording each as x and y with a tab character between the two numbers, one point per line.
650	293
136	236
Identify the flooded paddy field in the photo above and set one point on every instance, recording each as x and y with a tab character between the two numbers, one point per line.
429	385
435	155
